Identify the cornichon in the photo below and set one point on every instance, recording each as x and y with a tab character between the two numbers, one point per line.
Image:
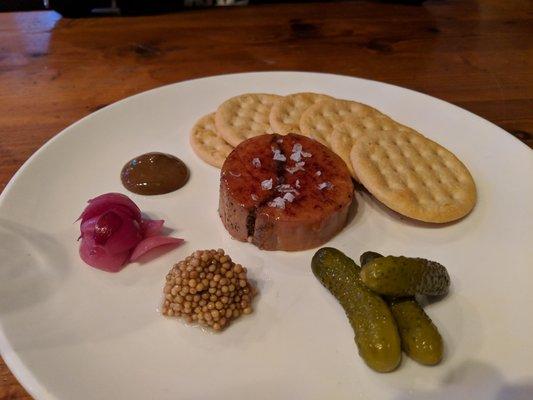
368	256
404	276
376	333
420	337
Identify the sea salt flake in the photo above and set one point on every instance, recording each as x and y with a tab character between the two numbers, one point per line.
298	153
299	166
278	156
286	188
297	184
296	156
235	174
289	197
318	173
256	162
254	197
266	184
277	202
324	185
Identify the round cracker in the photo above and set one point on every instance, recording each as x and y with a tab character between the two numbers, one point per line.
319	120
345	134
414	176
286	111
207	144
341	142
244	116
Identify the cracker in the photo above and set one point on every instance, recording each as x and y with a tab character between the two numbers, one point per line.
345	134
207	144
414	176
244	116
319	120
341	142
286	111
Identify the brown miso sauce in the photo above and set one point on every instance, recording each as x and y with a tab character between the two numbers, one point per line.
154	173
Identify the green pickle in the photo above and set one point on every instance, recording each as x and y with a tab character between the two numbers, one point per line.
376	333
403	276
368	256
420	337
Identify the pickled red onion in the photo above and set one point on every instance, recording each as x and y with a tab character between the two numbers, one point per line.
152	242
98	256
101	203
113	232
151	227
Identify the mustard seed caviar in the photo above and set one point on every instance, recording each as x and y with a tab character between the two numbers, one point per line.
208	288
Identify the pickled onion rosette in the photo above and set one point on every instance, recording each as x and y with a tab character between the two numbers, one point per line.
113	232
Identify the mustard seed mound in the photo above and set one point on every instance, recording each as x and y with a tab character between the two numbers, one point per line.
208	288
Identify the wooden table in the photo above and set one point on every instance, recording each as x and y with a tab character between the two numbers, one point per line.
54	71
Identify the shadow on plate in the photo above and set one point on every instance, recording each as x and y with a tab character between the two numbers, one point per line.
383	209
475	379
33	266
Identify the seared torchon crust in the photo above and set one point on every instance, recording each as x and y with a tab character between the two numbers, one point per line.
284	192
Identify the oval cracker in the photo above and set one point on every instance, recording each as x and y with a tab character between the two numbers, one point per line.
414	176
244	116
319	120
207	144
346	133
286	111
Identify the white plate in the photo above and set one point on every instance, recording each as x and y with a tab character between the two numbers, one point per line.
69	331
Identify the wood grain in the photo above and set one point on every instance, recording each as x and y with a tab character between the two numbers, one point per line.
53	71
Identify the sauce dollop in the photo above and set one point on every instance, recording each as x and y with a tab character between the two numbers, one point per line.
154	173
